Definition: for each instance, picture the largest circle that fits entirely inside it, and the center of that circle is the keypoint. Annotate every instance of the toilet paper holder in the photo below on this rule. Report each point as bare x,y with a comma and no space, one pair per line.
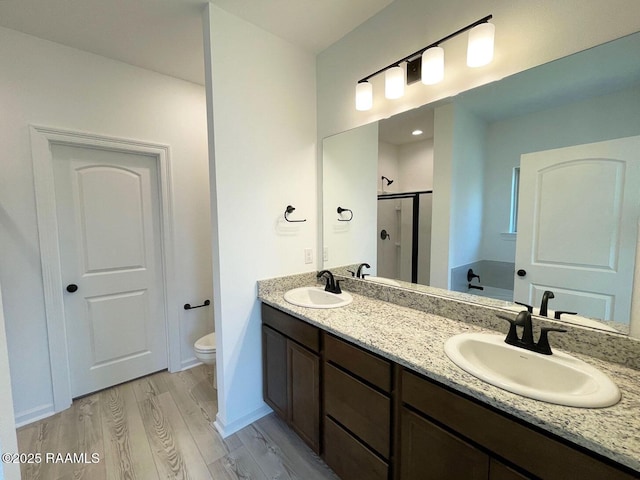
189,307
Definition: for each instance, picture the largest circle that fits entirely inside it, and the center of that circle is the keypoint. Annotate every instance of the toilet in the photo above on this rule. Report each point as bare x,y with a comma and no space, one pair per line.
205,349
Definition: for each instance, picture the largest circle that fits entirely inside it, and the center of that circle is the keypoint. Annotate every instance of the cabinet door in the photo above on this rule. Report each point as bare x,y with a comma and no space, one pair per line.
429,452
274,374
304,411
499,471
349,458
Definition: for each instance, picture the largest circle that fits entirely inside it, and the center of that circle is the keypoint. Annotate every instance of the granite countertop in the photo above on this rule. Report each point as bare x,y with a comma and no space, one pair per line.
415,339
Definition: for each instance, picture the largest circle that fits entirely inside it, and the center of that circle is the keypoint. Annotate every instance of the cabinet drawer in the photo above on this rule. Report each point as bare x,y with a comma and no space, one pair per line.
428,451
534,452
374,370
499,471
303,333
349,458
358,407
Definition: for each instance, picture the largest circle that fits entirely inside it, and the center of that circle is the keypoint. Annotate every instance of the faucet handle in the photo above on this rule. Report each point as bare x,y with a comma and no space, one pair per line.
337,288
543,343
557,314
512,336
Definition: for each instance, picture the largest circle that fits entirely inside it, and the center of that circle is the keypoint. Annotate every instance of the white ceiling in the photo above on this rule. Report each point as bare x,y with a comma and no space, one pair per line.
166,35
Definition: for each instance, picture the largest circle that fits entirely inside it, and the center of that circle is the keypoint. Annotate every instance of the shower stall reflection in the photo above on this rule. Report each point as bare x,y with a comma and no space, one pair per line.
404,250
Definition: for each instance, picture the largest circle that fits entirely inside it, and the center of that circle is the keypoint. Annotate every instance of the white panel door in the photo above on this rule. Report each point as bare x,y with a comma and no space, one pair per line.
107,204
578,225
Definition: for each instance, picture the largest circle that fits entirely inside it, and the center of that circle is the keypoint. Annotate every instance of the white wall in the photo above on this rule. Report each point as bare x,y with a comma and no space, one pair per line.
415,162
262,112
47,84
527,34
8,440
388,166
350,162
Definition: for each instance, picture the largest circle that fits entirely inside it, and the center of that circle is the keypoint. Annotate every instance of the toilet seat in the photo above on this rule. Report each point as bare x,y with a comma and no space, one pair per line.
206,344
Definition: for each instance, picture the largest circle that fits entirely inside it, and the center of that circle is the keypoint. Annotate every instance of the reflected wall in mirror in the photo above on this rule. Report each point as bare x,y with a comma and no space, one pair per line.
478,140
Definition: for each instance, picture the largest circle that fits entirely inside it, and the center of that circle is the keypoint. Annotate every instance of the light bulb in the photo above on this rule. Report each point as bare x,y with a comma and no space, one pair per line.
480,48
394,83
364,96
433,65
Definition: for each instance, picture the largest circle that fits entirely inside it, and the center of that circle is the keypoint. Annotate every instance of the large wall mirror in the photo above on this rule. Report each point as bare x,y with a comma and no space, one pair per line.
521,186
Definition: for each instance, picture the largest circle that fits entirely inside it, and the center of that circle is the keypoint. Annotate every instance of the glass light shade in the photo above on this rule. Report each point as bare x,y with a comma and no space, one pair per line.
433,65
364,96
394,83
480,48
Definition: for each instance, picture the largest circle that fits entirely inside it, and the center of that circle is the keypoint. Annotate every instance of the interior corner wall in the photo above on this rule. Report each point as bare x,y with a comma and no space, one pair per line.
459,150
47,84
467,189
440,274
261,99
527,34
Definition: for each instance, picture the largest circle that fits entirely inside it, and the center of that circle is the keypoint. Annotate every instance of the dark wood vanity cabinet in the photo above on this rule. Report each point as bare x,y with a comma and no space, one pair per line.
291,372
357,407
437,422
372,419
428,451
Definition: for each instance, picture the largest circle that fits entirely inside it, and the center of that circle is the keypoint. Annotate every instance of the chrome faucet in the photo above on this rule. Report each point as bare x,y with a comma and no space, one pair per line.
333,285
548,294
359,273
526,341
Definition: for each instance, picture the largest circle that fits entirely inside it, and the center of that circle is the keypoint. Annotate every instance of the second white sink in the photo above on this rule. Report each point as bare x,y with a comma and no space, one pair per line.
558,378
317,297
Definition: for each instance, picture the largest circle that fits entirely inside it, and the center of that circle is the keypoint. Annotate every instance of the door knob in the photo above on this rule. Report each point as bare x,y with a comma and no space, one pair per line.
72,287
521,273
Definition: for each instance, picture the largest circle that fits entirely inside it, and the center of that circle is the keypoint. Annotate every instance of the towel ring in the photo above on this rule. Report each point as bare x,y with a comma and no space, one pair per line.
289,210
340,210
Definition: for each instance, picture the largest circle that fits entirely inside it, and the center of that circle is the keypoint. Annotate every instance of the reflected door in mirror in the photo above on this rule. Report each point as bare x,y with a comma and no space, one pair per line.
577,227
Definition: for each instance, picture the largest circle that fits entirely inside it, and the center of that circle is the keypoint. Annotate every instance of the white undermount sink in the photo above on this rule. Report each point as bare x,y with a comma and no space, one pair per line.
316,297
558,378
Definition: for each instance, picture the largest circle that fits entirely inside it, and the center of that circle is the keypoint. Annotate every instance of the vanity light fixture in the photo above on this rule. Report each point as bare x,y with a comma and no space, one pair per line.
427,64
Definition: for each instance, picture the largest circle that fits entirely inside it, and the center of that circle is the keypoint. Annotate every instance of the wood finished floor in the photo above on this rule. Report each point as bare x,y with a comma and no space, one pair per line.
160,427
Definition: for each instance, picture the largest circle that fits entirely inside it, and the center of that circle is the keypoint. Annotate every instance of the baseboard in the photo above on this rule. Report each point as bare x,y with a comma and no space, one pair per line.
229,429
190,363
35,414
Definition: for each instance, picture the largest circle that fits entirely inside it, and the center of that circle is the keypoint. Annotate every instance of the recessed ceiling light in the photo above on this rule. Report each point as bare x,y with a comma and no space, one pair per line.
417,132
